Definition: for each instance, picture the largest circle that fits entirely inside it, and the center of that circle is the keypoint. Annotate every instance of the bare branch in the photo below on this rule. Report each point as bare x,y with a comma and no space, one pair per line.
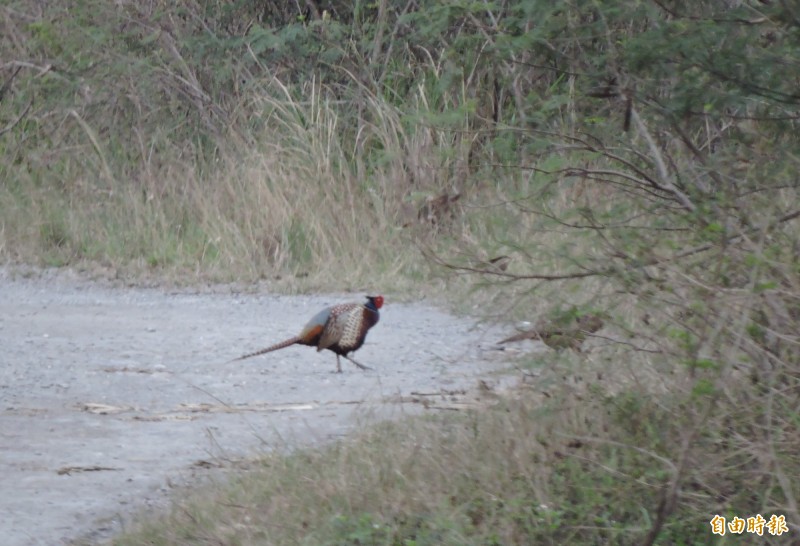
605,272
511,276
665,183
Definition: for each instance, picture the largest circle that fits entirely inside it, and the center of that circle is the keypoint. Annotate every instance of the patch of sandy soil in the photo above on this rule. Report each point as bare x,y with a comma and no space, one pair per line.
111,396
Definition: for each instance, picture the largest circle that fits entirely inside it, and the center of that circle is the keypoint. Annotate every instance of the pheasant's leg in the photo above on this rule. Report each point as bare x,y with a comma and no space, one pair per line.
338,365
357,364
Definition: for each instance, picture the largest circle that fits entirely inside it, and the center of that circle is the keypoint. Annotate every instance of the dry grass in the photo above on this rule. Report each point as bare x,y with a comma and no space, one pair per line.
292,206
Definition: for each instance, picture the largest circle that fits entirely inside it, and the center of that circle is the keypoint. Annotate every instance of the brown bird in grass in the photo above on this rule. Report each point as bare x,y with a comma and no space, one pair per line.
555,337
341,329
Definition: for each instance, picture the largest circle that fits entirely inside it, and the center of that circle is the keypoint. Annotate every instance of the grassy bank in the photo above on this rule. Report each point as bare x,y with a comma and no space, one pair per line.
550,463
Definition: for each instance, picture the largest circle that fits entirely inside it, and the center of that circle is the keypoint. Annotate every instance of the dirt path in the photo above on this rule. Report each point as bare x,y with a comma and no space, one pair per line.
109,396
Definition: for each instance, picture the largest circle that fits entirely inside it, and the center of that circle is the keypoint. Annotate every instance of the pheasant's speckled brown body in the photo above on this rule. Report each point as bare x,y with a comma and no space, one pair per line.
341,329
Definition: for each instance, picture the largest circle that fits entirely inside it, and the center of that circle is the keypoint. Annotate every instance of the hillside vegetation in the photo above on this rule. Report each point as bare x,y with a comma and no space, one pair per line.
632,160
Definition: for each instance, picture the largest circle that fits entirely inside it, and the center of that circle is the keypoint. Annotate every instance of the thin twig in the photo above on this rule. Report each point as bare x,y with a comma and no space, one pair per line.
605,272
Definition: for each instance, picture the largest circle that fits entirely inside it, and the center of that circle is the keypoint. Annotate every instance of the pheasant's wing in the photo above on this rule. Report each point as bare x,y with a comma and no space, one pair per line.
313,328
336,325
310,334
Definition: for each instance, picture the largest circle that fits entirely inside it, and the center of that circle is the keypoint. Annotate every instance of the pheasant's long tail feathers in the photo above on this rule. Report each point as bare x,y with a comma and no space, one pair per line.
281,345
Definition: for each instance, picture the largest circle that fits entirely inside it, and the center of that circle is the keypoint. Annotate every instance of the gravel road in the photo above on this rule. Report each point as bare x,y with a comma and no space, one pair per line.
112,395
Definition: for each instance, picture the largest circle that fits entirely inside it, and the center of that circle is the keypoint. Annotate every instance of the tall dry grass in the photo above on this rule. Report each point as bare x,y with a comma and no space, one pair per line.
295,199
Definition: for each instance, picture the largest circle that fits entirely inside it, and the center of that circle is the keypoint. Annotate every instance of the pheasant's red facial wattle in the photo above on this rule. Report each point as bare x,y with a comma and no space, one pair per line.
378,301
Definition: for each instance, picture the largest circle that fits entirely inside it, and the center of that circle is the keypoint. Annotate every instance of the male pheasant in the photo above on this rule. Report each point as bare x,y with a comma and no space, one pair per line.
341,329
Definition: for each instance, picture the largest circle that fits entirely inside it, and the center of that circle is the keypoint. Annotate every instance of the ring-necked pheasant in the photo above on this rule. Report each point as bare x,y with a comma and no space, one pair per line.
561,334
341,329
